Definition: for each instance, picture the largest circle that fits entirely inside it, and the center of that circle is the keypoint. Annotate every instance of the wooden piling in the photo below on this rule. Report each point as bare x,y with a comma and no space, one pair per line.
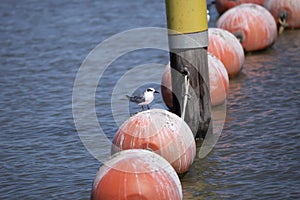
188,41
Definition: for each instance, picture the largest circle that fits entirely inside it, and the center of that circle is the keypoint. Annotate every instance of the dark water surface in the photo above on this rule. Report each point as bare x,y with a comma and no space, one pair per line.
43,44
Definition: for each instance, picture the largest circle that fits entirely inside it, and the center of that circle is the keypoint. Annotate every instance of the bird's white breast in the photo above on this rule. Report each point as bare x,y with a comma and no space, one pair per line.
149,96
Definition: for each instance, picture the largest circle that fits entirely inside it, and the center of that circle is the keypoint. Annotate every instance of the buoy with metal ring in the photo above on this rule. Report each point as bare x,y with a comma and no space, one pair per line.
285,12
252,24
160,131
136,174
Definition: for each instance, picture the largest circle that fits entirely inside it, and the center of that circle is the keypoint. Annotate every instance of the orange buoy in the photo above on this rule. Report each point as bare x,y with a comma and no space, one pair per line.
224,5
218,80
161,132
285,12
226,47
252,24
136,174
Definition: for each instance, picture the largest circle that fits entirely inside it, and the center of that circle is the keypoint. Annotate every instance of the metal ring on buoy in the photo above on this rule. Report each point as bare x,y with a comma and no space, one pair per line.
286,13
254,22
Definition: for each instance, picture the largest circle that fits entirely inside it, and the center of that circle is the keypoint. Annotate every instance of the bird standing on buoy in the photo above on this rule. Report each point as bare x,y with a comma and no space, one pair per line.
143,99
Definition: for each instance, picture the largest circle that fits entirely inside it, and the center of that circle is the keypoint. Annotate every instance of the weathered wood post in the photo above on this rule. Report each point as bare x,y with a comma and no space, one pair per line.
188,41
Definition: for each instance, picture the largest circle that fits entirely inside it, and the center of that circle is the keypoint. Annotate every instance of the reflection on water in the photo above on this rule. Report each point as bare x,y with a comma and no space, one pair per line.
44,43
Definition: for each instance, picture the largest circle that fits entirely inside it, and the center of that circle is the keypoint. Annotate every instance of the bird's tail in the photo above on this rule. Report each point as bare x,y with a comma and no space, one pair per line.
128,97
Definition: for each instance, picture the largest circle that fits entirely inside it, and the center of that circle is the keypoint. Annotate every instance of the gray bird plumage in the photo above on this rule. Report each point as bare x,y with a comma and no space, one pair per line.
143,99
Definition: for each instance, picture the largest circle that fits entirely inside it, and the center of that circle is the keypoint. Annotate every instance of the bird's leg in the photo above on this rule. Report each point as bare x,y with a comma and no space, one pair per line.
148,107
142,107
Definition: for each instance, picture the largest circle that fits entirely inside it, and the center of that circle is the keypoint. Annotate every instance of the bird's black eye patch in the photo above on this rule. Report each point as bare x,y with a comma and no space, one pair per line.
149,90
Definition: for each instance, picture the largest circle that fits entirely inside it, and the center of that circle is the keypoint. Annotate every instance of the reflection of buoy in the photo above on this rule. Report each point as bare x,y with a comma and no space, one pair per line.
226,47
223,5
285,12
252,24
136,174
160,131
218,80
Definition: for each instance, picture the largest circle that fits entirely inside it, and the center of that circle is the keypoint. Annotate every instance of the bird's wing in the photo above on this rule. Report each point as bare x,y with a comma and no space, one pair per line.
136,99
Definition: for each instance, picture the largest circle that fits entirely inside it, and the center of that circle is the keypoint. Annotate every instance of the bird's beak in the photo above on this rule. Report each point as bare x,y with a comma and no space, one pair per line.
156,92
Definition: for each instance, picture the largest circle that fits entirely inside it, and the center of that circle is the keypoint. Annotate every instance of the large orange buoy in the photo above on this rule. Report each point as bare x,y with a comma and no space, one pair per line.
136,174
285,12
161,132
226,47
218,81
223,5
252,24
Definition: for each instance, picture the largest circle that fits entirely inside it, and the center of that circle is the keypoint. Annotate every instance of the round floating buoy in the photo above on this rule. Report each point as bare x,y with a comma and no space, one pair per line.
285,12
226,47
136,174
252,24
218,80
161,132
223,5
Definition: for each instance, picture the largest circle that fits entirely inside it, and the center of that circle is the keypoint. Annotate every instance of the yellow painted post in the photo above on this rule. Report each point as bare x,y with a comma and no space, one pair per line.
186,16
188,41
